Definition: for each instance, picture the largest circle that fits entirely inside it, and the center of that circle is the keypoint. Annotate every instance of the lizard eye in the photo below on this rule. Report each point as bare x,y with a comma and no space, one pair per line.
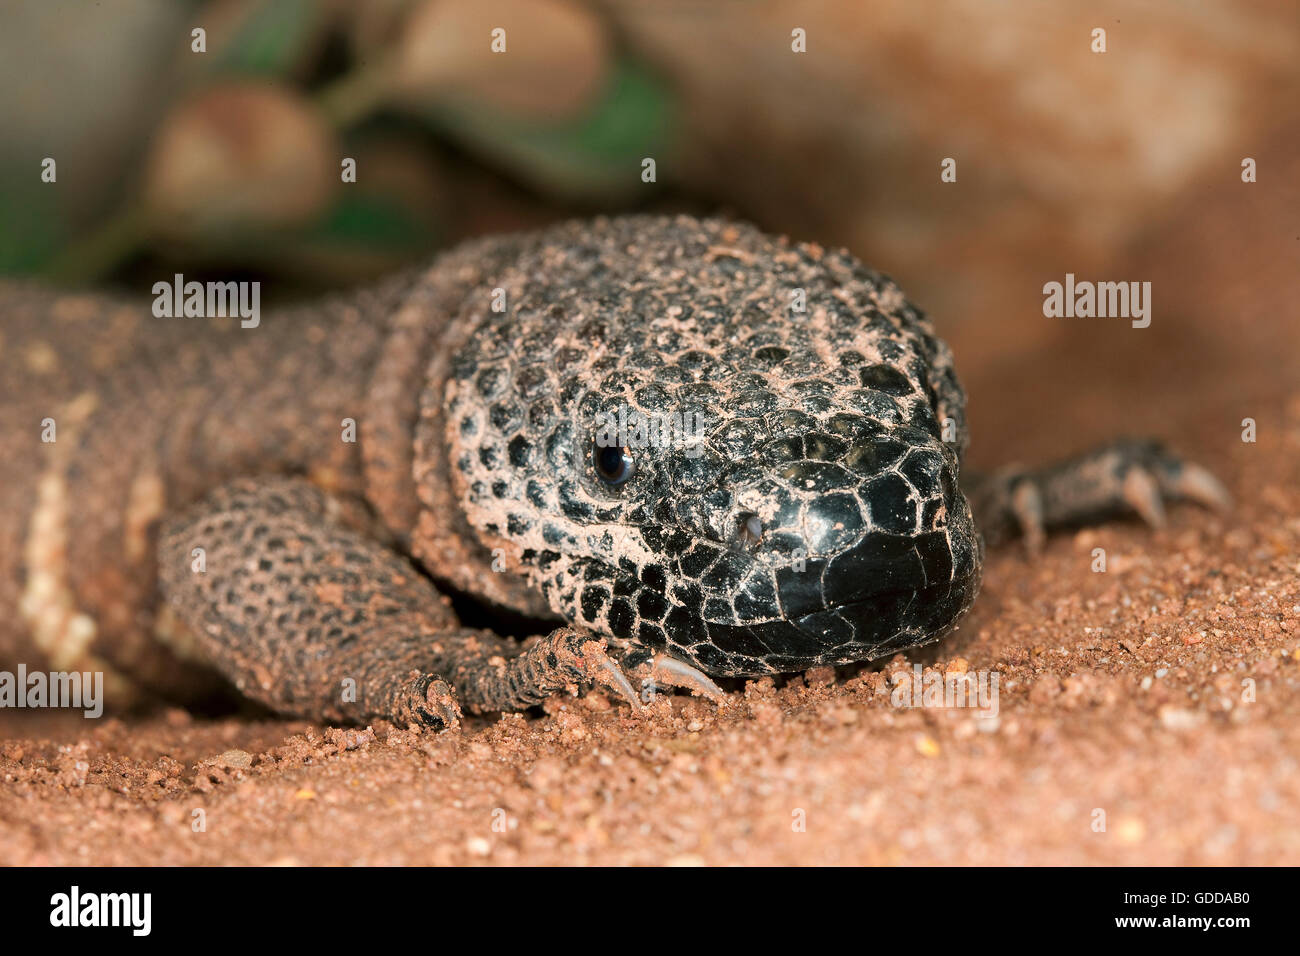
613,464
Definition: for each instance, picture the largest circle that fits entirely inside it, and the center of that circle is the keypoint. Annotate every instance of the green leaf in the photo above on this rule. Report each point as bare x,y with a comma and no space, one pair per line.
270,40
370,219
34,227
598,156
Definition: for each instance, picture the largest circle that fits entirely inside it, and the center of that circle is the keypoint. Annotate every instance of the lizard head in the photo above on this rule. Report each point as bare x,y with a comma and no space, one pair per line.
717,444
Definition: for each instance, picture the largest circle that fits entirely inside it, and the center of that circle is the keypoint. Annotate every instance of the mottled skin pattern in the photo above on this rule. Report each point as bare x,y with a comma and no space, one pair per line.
824,424
201,509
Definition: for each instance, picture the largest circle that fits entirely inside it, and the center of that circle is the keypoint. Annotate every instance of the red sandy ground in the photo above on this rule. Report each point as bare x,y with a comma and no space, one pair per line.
1124,693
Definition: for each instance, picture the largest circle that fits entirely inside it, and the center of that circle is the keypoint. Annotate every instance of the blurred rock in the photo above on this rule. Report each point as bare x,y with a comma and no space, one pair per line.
1062,153
555,61
392,215
239,159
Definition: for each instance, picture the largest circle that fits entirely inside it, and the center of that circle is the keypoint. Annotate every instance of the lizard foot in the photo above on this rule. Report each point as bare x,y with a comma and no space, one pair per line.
426,701
1129,476
488,680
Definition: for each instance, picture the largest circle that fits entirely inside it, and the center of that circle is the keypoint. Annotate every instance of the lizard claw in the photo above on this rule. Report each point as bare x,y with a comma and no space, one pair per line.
1142,494
600,668
675,673
1197,484
1027,507
1167,476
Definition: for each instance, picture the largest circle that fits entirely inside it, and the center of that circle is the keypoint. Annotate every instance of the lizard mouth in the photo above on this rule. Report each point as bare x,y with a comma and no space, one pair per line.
870,626
882,594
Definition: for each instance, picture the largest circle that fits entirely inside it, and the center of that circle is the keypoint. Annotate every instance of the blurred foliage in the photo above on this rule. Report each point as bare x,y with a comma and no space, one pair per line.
267,38
234,156
30,236
596,155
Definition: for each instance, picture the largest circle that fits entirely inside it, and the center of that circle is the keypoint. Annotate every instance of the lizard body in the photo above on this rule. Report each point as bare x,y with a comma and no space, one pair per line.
200,507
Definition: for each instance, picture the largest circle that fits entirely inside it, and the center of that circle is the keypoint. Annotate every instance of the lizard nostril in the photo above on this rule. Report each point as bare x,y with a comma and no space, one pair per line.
748,530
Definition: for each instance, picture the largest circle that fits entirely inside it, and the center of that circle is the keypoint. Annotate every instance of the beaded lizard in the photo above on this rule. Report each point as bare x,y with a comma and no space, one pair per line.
199,507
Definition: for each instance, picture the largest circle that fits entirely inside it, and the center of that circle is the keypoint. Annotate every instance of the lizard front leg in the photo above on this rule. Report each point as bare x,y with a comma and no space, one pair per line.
1125,477
304,611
